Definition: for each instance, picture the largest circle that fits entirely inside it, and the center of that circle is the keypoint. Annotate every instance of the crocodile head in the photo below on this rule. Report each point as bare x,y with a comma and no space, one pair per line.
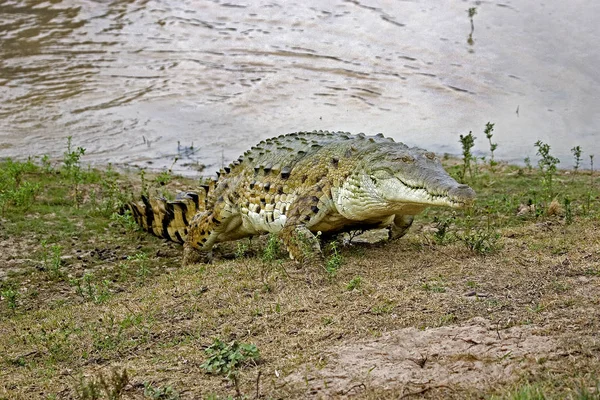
401,180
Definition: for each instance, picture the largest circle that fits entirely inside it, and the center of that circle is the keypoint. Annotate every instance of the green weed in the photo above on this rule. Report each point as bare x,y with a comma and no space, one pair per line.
467,143
355,283
10,295
481,241
334,262
226,359
489,128
442,228
126,220
577,154
272,250
110,388
471,12
160,393
547,164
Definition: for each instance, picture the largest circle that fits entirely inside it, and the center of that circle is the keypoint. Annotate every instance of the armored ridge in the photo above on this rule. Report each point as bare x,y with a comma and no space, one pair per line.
302,183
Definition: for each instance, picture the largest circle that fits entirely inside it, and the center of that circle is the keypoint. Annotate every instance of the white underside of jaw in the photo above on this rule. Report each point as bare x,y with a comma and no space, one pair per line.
355,202
407,194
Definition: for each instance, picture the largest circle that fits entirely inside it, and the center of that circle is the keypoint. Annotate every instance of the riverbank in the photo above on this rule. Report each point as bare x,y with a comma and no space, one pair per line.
498,301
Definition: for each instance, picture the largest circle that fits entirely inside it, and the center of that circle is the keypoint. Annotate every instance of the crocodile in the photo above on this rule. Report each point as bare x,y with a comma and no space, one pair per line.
303,185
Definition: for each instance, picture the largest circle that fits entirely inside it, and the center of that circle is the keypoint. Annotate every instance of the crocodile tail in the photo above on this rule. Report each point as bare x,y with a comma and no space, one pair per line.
167,219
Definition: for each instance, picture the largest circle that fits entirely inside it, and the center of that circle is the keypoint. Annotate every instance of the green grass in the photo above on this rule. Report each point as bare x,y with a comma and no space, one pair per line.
91,307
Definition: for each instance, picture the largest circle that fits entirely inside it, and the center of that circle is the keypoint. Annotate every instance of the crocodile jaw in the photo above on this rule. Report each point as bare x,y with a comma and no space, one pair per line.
364,198
446,193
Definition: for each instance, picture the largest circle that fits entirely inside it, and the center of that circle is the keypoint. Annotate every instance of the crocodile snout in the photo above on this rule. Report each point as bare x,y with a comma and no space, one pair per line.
462,193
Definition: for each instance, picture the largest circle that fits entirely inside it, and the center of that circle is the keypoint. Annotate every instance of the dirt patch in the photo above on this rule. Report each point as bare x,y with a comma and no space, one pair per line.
474,355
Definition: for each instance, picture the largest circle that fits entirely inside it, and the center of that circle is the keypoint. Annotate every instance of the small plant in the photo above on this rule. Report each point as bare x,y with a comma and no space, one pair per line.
241,249
547,164
14,190
160,393
467,143
577,154
10,295
226,359
142,259
126,221
355,283
52,259
112,387
442,227
334,262
272,249
72,169
489,128
481,241
163,178
90,291
591,170
435,286
472,12
527,162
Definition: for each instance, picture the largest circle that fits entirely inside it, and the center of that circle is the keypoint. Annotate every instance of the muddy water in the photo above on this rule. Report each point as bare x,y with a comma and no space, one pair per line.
143,82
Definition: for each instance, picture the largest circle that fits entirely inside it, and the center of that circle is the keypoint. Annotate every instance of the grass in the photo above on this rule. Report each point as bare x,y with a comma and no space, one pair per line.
92,308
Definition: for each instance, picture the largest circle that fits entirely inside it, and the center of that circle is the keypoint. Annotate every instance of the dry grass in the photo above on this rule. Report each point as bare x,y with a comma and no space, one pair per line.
539,284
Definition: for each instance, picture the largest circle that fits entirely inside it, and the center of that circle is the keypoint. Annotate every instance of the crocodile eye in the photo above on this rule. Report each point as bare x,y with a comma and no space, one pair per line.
408,159
430,155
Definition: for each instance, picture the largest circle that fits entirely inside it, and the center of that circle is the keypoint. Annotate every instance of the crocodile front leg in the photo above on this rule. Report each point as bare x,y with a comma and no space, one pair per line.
399,226
302,244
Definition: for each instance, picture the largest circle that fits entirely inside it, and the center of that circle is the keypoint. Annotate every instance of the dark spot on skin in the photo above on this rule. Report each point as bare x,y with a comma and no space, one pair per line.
224,185
262,200
315,199
258,209
216,221
247,204
267,186
268,169
202,232
256,169
283,209
185,231
252,185
314,209
227,170
304,178
280,190
205,187
285,172
335,161
218,174
301,152
220,199
307,218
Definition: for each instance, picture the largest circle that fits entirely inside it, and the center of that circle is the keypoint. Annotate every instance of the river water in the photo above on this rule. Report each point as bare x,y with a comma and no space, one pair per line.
142,82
